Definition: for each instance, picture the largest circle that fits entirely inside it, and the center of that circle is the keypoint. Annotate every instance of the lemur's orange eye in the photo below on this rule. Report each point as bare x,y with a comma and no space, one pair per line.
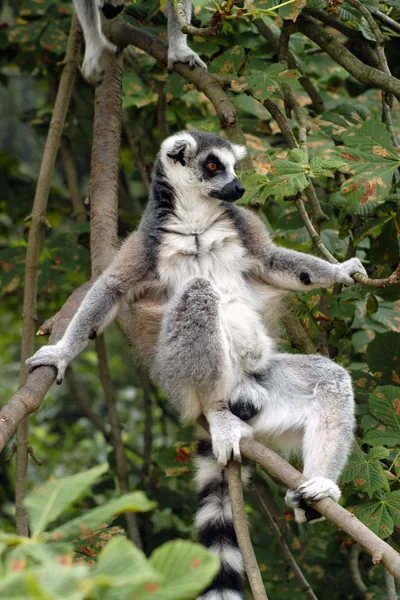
212,166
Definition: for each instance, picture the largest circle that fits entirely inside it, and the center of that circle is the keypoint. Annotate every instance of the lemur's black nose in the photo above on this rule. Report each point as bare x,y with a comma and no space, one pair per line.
239,189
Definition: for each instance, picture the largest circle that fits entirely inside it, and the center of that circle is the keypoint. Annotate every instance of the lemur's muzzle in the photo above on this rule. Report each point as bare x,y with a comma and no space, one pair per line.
230,192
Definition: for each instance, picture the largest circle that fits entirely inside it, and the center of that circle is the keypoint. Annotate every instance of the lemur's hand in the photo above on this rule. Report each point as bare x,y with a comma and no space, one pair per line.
182,53
226,431
346,271
56,356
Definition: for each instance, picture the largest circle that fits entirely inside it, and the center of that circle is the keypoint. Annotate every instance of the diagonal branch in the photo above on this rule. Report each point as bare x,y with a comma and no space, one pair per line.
287,555
363,73
277,466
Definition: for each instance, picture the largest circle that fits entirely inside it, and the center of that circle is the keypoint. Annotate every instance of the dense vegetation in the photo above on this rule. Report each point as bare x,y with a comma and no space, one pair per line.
283,75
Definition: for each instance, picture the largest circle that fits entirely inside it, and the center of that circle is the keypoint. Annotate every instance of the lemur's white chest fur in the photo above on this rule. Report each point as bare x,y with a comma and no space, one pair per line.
201,241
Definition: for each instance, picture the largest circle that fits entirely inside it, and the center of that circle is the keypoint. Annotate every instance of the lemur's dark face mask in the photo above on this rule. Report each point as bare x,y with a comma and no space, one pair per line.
231,192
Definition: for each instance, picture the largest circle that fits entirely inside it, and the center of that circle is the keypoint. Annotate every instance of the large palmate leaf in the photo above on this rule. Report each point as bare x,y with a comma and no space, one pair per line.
382,516
49,500
197,568
384,357
365,471
371,160
384,405
135,502
264,83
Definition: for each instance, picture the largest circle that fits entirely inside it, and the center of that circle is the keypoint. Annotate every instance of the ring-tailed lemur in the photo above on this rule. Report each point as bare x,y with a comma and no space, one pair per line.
206,281
97,43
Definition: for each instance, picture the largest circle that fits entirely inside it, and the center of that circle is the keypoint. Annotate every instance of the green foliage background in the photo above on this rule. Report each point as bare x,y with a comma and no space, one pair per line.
354,167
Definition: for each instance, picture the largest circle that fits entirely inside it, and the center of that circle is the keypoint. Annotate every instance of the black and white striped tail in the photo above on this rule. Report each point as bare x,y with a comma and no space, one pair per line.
214,522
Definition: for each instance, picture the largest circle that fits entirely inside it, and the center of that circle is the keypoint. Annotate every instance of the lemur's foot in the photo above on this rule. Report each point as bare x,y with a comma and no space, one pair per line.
185,55
92,68
50,356
226,431
312,490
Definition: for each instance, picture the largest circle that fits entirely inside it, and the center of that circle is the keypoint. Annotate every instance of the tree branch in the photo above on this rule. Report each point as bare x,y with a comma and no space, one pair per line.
242,531
305,82
287,555
378,549
116,437
33,252
355,551
29,397
363,73
186,27
390,586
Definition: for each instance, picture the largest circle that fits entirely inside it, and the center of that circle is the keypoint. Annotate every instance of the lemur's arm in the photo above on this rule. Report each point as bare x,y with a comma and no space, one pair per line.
96,42
293,270
99,307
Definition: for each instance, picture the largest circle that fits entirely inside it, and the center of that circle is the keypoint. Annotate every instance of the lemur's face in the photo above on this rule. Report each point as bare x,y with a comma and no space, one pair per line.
204,162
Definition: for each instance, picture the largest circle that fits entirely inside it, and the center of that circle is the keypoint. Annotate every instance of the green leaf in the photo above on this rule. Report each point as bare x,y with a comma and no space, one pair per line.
384,405
290,177
197,568
382,516
54,39
371,136
49,500
384,356
135,502
364,471
123,567
264,83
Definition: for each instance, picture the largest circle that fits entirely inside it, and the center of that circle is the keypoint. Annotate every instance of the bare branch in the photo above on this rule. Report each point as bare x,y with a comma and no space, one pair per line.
242,531
386,20
363,73
355,551
378,549
29,397
390,586
306,83
287,555
38,218
116,436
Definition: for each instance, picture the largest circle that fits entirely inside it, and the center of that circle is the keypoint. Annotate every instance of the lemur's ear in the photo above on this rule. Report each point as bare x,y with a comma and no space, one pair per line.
179,147
239,151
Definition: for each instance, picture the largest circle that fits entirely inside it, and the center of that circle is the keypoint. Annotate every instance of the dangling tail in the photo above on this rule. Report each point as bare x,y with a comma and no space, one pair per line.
214,522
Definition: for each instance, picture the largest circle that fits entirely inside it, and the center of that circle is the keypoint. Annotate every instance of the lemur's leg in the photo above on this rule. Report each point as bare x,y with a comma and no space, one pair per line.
308,409
214,523
195,365
178,50
95,41
327,439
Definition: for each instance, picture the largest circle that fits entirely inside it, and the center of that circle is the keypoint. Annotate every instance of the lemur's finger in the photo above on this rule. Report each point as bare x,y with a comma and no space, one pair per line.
61,367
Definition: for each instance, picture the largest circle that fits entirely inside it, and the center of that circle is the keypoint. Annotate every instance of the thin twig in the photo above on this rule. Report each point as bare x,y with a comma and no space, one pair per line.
135,151
116,436
390,586
242,531
285,551
386,20
354,565
33,252
186,27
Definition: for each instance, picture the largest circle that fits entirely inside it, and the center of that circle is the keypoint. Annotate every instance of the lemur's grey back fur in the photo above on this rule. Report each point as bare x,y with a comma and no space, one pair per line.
218,278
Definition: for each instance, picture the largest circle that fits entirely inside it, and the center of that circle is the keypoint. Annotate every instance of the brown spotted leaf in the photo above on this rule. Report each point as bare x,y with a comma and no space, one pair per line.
382,516
364,470
384,404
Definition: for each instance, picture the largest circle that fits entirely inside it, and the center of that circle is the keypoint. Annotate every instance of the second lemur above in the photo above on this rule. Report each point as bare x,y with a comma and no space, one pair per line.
97,44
